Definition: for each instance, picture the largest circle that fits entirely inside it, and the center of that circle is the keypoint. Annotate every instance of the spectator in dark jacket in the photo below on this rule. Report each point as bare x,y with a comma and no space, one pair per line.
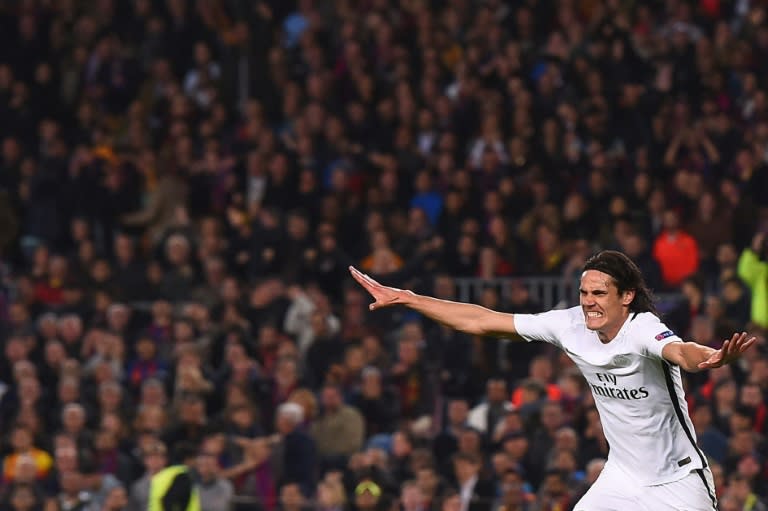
295,454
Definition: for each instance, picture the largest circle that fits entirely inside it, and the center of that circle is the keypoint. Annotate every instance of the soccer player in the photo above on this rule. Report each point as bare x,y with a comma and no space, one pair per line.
632,363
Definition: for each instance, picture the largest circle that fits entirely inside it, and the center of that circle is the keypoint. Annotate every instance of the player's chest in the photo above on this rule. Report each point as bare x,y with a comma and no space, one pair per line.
588,351
593,357
613,372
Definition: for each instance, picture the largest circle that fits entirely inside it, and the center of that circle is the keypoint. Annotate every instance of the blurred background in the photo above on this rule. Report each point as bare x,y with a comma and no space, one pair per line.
183,184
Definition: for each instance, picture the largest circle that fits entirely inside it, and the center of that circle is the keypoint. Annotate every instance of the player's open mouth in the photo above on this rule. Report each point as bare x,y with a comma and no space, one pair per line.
594,314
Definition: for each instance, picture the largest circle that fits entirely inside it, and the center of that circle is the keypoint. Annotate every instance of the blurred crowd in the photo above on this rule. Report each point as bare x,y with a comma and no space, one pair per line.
183,184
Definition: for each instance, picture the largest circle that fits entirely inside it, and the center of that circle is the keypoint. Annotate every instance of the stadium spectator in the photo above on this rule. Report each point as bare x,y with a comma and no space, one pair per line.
339,430
712,440
753,270
486,416
476,493
676,251
154,457
24,449
173,487
215,492
296,452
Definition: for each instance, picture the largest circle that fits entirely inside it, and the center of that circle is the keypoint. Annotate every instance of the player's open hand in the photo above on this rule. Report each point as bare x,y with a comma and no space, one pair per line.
383,295
731,350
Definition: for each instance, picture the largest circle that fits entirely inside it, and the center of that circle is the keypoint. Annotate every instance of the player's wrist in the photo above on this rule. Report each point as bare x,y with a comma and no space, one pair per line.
409,298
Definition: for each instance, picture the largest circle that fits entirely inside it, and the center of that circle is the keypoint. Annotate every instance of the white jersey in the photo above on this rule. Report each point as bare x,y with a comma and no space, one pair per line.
638,394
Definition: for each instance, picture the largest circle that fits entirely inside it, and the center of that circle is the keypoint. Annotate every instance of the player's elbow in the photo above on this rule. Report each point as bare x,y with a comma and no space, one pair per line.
473,327
491,323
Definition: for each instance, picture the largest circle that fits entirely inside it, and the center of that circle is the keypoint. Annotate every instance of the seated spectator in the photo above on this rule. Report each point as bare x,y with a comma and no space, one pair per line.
26,475
331,495
251,473
23,449
298,450
736,299
742,493
377,403
116,500
368,496
751,398
339,430
513,496
485,416
22,497
147,363
109,459
636,247
712,441
431,485
215,491
189,423
73,494
593,470
411,497
476,494
540,370
409,376
446,442
292,498
676,251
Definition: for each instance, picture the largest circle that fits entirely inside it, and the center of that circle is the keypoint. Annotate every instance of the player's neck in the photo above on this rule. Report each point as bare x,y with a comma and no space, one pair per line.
604,337
610,334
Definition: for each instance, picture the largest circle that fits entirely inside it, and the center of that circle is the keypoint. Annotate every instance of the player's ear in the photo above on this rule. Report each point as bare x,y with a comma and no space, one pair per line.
627,297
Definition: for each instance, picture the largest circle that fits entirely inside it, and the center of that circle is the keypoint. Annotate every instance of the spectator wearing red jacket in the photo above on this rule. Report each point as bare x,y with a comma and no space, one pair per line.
675,250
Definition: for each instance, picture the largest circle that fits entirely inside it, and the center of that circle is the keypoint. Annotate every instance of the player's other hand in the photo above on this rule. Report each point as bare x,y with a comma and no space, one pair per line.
383,295
731,350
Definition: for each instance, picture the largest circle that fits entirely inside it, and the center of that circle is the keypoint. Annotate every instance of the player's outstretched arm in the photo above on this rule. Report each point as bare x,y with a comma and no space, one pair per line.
694,357
469,318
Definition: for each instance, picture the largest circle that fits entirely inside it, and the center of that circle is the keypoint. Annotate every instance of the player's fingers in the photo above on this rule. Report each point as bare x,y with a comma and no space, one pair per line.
712,361
747,344
356,274
737,346
361,278
367,278
372,282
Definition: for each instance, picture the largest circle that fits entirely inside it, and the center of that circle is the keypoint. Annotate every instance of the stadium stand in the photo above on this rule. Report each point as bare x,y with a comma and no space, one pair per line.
183,184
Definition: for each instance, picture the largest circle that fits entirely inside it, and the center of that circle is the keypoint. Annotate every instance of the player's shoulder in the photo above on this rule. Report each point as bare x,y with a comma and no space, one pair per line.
559,318
574,316
645,318
649,325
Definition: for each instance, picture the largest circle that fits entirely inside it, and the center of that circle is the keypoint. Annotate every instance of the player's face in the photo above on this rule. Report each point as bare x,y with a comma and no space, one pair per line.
605,310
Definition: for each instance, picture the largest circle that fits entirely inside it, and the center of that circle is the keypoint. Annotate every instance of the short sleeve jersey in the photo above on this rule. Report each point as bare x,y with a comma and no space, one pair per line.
638,394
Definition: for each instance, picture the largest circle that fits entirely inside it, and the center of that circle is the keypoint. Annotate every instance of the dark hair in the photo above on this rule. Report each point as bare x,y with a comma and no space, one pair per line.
627,277
560,473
